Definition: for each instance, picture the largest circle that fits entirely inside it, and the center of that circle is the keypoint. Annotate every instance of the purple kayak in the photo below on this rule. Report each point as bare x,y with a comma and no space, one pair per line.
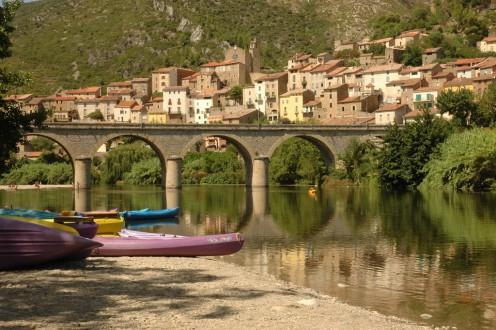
24,244
157,245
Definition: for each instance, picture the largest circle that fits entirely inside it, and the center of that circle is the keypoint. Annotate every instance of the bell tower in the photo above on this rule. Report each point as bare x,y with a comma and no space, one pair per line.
255,55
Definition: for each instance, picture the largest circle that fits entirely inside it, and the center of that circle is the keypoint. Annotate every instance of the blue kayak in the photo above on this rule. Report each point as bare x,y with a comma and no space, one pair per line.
138,225
32,214
147,214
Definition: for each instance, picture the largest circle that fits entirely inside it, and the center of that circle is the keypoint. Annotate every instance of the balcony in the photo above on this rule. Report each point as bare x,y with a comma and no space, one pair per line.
271,98
308,115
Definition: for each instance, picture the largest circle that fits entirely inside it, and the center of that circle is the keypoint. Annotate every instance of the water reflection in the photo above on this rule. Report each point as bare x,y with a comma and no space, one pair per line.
402,254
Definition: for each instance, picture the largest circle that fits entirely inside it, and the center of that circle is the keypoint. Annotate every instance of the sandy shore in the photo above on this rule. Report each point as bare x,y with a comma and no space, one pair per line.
32,187
170,293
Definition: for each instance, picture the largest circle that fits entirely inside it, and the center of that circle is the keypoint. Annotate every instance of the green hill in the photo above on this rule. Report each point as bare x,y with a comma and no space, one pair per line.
72,43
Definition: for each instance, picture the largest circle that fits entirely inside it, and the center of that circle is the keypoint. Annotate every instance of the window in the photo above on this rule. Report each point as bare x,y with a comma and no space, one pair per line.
353,108
178,101
342,109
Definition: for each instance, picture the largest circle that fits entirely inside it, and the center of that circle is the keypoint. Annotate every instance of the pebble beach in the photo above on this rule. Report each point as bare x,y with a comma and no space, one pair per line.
170,293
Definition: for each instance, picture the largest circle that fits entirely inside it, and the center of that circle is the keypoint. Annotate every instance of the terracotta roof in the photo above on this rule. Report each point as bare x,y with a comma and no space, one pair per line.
467,61
412,69
293,92
458,82
489,63
140,80
298,67
485,77
60,98
432,50
126,104
137,107
310,67
391,107
272,76
350,99
490,39
109,98
32,154
337,72
328,66
416,113
464,68
216,64
370,85
165,70
384,68
426,89
121,92
238,115
409,34
442,74
337,86
18,97
175,88
120,84
312,103
158,99
83,101
86,90
405,82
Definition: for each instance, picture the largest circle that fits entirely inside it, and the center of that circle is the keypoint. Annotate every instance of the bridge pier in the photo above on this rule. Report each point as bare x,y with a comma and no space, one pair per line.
173,172
82,172
260,175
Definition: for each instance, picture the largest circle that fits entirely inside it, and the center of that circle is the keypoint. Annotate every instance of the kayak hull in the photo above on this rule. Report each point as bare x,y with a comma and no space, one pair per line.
109,226
169,246
151,214
26,244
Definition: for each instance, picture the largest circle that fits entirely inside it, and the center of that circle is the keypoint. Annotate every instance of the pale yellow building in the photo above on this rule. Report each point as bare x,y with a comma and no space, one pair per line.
291,104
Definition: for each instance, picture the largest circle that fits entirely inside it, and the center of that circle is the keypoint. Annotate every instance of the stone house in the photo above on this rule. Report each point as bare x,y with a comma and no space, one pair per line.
231,73
202,103
377,77
250,58
118,86
268,90
235,115
458,84
310,109
401,91
138,114
431,55
486,67
291,104
249,97
390,114
425,71
488,44
440,79
168,77
126,94
301,60
407,37
107,105
344,75
340,46
203,82
364,45
142,87
84,93
176,100
33,105
62,108
317,76
157,115
122,111
85,107
481,83
425,98
336,102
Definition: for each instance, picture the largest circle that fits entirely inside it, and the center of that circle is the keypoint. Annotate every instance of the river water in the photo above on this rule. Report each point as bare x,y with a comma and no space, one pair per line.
428,257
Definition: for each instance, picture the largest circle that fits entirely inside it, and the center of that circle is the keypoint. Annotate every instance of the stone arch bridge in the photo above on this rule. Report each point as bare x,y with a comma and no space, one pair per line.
172,142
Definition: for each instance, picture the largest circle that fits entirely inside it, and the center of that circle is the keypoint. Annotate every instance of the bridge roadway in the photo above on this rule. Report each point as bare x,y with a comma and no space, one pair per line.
255,143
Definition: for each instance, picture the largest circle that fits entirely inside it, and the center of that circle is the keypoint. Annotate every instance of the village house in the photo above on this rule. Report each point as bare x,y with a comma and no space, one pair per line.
425,98
249,97
458,84
317,77
440,79
83,93
235,117
390,114
203,82
142,87
488,44
401,91
33,105
425,71
20,99
126,94
340,46
231,73
291,104
106,106
119,86
481,84
268,90
487,67
62,108
408,37
138,114
177,101
249,58
85,107
431,55
310,109
202,103
122,111
168,77
377,77
337,103
301,60
364,45
157,115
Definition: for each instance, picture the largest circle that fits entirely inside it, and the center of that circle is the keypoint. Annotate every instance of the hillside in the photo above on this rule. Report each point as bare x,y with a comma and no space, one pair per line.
71,43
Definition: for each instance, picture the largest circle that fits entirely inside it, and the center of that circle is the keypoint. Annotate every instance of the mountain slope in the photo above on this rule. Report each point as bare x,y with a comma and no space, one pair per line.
71,43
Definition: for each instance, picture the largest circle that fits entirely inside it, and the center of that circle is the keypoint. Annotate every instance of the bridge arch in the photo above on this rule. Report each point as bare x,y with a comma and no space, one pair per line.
327,151
57,141
242,146
160,153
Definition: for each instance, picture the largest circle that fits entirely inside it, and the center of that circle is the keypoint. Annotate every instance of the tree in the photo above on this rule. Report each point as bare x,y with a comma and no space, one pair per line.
486,115
407,150
96,115
460,104
412,55
236,94
13,121
359,160
377,49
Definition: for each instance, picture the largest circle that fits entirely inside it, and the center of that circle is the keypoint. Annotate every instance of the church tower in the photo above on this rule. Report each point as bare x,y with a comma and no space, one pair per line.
255,56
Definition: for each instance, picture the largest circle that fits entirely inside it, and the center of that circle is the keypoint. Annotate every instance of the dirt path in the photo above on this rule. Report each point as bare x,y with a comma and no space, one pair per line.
169,293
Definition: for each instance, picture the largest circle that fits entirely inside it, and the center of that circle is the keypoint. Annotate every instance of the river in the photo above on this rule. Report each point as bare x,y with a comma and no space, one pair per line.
428,257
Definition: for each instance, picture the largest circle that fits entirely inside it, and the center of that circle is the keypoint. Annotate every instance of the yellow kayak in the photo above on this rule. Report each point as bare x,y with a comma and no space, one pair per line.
48,224
109,226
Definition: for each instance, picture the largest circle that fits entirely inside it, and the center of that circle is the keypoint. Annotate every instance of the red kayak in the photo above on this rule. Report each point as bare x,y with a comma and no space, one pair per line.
24,244
133,243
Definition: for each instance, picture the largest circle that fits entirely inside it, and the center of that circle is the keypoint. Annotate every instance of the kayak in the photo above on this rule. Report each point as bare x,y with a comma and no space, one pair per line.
25,244
133,244
147,214
109,226
24,213
112,214
152,223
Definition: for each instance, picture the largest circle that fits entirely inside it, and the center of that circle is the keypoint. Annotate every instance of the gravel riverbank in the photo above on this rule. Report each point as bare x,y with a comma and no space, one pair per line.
170,293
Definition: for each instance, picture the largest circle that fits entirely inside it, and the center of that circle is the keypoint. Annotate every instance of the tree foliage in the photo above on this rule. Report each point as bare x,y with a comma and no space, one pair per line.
407,150
13,121
460,104
486,114
412,55
297,161
96,115
359,160
145,172
236,94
